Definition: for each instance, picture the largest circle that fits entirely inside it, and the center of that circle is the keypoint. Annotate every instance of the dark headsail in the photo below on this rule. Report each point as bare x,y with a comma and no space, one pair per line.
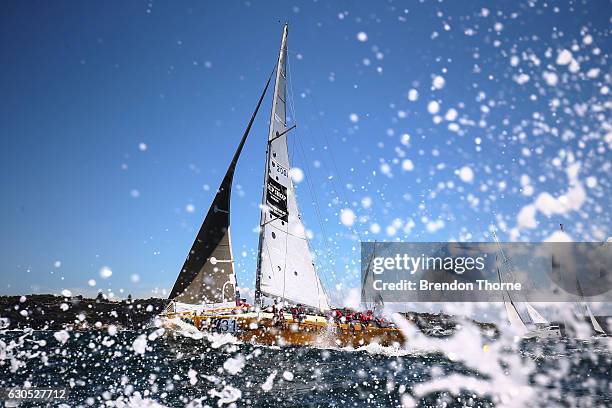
208,273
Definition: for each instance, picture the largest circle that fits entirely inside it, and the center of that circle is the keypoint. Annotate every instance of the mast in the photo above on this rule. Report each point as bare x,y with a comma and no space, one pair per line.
207,276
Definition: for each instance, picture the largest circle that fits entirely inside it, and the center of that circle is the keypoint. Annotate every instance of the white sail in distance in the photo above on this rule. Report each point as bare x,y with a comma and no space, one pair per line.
587,310
596,326
285,267
535,316
514,318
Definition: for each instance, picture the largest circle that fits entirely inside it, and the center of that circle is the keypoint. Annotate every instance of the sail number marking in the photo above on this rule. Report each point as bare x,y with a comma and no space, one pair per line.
281,170
225,325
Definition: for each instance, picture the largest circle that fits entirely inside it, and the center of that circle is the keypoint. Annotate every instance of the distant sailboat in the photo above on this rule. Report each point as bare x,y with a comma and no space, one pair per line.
582,306
205,291
587,312
376,302
535,316
541,327
514,318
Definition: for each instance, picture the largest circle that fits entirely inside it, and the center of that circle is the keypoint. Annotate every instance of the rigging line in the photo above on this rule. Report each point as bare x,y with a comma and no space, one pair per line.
314,198
297,141
337,190
335,187
309,183
318,282
318,214
313,191
286,252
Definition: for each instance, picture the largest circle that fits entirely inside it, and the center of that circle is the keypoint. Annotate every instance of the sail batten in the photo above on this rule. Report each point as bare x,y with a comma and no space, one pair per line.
285,267
207,276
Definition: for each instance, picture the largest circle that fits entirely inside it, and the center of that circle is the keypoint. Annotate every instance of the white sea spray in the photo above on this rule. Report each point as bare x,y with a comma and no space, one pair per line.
234,365
62,336
140,344
227,395
267,385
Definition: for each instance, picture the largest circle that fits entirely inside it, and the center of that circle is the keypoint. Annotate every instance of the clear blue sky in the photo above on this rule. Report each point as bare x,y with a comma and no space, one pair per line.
506,100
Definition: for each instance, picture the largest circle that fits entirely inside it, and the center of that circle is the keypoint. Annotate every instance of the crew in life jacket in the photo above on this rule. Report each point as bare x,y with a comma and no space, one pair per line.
281,315
349,315
274,308
381,322
366,317
298,313
339,316
293,311
278,314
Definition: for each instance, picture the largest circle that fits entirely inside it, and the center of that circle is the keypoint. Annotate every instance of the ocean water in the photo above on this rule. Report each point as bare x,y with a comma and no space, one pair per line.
154,368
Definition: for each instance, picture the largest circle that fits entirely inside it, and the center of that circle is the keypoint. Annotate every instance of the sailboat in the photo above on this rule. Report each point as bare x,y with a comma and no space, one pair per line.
582,306
298,309
541,328
586,311
376,303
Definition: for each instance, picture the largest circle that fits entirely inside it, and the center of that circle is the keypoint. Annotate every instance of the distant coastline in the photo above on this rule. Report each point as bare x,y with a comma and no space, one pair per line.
52,312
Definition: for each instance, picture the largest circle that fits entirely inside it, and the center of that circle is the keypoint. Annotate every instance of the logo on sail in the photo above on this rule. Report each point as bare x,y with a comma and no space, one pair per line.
276,198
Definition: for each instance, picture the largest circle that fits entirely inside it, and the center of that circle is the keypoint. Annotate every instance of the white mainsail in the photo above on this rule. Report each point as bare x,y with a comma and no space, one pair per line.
514,318
285,267
596,326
